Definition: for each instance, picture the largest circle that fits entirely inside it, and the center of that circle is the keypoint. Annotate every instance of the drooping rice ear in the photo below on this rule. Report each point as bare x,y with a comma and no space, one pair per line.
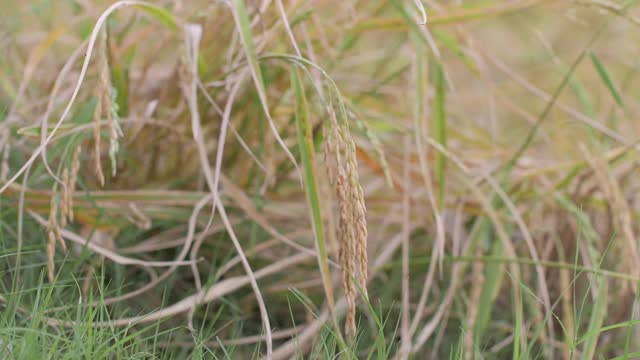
63,198
73,179
54,233
342,170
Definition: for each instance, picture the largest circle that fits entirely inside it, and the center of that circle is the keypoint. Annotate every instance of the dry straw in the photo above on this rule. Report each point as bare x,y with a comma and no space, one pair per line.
4,165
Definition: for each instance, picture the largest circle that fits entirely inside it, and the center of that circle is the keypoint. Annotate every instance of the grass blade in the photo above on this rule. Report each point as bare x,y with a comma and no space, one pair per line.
604,75
494,276
440,128
596,320
161,14
306,145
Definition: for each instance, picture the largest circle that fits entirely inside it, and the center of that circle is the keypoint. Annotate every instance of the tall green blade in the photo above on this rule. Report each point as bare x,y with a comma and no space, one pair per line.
306,145
604,75
440,127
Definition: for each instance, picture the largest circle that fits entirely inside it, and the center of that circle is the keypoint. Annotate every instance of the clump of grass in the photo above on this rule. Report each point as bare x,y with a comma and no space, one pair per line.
475,197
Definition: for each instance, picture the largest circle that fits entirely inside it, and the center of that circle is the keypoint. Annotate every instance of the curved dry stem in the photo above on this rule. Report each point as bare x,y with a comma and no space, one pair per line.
254,284
116,258
287,26
423,12
218,290
193,34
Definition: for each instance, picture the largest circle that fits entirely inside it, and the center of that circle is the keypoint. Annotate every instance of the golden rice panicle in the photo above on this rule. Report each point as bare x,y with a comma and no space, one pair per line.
54,233
69,179
96,141
63,198
359,218
73,179
342,171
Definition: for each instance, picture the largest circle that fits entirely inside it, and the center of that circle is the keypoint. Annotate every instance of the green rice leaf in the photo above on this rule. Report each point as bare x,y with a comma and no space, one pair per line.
307,155
604,75
161,14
